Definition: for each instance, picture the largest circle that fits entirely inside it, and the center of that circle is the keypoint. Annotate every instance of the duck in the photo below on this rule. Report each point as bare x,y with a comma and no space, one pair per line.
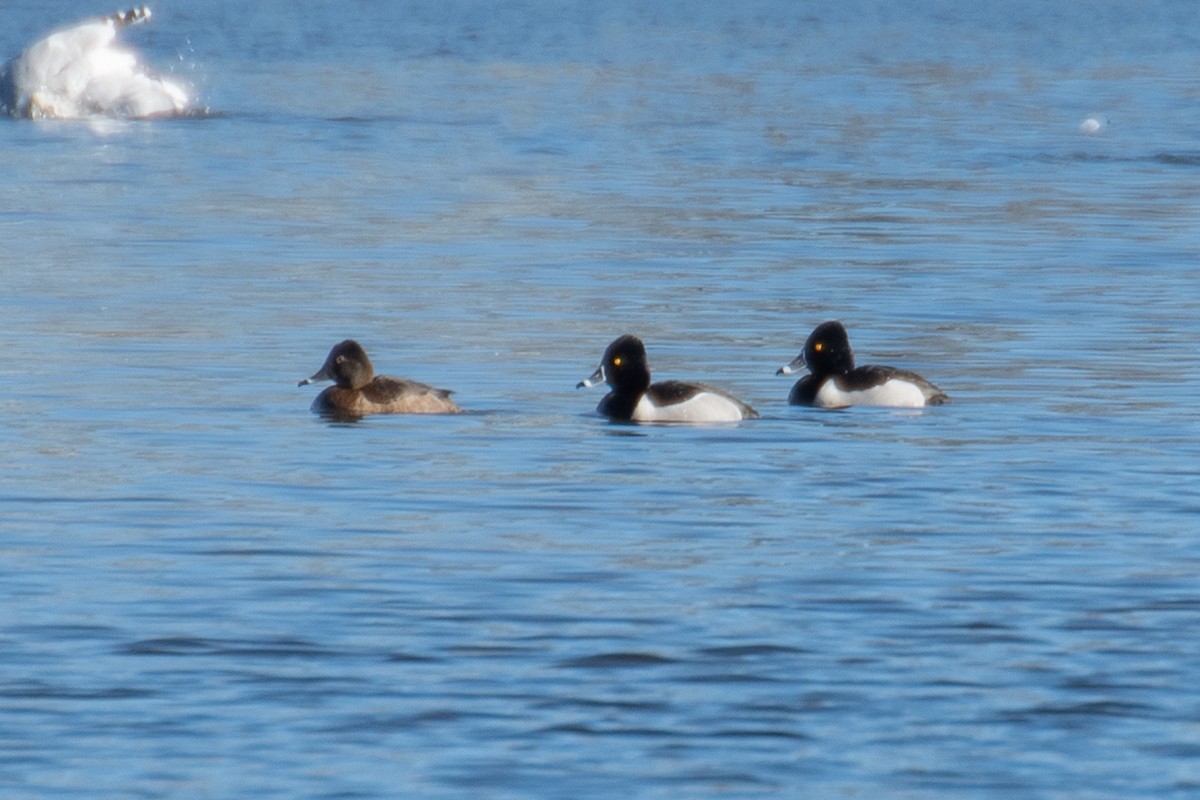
81,72
358,391
834,382
633,398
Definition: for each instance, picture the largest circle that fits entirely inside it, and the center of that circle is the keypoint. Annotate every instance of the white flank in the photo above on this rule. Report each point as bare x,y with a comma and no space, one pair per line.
704,407
895,392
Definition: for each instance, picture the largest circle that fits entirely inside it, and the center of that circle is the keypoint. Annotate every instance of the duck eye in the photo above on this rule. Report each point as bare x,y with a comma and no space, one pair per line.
819,346
617,361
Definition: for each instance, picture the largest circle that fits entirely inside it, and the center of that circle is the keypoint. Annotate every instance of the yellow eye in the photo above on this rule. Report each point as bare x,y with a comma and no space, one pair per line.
617,361
818,347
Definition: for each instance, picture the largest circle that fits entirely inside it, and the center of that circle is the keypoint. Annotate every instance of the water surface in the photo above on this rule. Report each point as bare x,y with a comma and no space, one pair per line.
209,592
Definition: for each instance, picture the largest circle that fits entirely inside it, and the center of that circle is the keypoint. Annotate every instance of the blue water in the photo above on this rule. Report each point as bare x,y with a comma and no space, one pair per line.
206,591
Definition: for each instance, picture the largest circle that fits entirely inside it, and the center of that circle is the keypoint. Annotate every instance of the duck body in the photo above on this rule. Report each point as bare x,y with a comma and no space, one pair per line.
384,395
676,401
866,386
835,382
633,398
358,391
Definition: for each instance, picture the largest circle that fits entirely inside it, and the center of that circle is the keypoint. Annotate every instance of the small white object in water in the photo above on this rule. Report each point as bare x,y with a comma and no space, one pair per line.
80,72
1091,125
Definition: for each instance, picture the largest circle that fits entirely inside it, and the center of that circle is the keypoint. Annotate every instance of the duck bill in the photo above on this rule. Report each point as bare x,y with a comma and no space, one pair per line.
320,375
792,367
595,379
